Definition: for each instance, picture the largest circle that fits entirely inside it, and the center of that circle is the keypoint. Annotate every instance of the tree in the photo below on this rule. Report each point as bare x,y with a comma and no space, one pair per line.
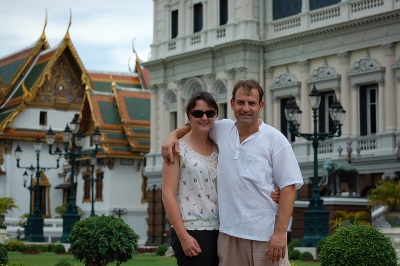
6,205
100,240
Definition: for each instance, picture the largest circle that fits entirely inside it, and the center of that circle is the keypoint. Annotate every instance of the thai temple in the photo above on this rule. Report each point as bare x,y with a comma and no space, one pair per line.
45,88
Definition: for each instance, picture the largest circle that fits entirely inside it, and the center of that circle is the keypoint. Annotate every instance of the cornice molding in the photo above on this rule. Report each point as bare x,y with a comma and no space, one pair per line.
379,18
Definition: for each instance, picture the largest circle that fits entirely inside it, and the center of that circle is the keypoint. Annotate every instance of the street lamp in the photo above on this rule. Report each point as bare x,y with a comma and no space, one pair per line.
316,219
349,150
25,177
91,179
36,220
73,141
120,211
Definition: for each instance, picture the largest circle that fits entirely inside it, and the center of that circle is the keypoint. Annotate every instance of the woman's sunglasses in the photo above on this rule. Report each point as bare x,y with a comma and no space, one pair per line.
199,113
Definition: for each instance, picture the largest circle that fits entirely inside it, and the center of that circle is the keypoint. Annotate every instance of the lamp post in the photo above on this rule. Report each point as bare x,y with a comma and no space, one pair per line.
120,211
316,224
349,150
36,220
27,226
91,179
73,141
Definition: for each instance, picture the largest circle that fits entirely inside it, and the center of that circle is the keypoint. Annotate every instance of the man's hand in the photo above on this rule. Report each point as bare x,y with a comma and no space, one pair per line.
275,195
170,145
277,247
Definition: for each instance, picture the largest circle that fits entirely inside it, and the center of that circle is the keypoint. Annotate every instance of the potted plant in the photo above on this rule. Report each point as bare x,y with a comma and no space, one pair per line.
6,205
387,194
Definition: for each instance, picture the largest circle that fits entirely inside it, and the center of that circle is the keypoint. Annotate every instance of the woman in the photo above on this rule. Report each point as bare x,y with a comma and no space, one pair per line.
189,188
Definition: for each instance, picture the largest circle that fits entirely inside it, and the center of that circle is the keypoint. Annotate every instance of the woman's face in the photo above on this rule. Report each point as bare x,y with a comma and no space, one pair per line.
202,116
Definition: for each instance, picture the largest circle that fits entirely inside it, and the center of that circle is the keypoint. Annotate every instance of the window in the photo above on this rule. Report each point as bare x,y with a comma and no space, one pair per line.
197,17
173,120
99,187
222,111
325,121
174,24
284,122
43,119
315,4
285,8
223,12
86,189
369,109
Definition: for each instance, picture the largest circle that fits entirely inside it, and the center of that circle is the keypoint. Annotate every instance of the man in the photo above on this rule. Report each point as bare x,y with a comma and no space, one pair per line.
253,159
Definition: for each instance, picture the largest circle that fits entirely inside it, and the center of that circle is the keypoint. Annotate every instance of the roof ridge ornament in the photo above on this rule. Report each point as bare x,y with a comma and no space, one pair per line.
67,37
43,37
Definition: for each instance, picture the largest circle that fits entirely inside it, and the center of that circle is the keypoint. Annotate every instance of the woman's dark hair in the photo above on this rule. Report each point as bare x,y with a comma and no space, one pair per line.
205,96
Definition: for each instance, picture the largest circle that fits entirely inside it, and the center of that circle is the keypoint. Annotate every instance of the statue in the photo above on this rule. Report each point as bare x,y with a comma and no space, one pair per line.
340,172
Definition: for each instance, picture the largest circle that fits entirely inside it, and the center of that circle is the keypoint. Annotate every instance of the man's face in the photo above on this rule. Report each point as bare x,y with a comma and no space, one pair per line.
246,106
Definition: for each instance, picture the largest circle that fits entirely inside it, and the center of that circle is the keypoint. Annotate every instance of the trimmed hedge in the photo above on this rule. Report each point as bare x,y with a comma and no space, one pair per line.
161,250
357,245
306,256
3,255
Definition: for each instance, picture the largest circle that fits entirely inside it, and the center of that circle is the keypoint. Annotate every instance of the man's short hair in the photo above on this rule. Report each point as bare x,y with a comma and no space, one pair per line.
247,85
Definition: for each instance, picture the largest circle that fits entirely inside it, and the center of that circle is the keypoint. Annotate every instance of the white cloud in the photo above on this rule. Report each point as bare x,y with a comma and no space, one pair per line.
101,31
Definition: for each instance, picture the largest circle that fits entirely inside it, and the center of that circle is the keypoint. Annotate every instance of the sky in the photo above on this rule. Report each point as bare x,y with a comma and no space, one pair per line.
102,31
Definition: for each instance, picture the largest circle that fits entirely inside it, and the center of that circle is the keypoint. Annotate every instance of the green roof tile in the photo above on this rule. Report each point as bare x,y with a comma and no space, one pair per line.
116,136
9,70
109,113
138,108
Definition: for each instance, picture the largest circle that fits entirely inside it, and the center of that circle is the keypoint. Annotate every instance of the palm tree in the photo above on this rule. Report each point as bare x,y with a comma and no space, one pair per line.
6,205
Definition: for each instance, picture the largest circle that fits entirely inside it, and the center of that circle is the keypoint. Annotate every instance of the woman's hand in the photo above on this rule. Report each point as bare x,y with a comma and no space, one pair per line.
190,246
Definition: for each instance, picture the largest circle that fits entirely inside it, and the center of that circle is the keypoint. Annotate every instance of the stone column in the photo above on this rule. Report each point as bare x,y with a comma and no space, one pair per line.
276,103
268,107
398,101
162,119
230,75
181,18
210,78
382,114
180,112
232,8
345,90
155,19
304,101
355,121
390,90
189,22
205,15
305,6
153,121
166,15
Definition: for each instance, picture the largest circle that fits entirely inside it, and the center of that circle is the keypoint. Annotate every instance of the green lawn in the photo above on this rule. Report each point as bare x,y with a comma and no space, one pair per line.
145,259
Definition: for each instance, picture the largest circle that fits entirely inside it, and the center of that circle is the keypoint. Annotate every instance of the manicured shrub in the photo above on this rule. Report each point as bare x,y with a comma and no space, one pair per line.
357,245
161,250
100,240
306,256
16,264
320,244
57,248
294,255
293,244
3,255
64,263
14,245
